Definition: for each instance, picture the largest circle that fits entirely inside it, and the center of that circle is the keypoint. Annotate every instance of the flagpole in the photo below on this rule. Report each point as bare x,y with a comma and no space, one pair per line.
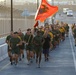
37,8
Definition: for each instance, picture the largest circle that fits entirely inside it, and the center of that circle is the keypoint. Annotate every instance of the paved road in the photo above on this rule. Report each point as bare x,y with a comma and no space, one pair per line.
66,18
62,62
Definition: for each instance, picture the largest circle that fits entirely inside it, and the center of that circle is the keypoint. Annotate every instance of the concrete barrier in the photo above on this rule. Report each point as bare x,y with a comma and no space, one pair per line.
2,40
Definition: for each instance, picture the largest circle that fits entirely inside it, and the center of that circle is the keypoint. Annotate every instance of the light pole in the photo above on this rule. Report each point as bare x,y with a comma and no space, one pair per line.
54,15
52,2
11,15
37,4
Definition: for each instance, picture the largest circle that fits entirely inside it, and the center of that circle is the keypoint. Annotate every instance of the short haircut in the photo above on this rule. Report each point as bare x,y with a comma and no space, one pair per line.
15,32
28,29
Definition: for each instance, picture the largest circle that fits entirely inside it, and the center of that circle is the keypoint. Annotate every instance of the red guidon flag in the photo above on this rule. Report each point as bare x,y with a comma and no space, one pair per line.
45,10
36,24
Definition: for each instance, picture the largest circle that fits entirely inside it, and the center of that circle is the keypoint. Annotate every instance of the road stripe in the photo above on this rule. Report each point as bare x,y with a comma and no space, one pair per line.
4,66
70,34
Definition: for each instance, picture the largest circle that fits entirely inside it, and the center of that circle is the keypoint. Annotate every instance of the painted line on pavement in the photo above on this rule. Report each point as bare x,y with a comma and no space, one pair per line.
70,34
4,66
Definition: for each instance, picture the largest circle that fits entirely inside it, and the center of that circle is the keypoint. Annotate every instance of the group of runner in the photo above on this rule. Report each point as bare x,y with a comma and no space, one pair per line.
36,42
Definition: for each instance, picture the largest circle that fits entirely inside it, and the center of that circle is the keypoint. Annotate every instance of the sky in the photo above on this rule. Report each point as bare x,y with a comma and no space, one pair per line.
1,0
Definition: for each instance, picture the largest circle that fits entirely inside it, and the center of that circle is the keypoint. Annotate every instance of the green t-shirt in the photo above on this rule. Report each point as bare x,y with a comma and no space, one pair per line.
28,38
22,36
67,28
8,38
74,33
14,42
38,42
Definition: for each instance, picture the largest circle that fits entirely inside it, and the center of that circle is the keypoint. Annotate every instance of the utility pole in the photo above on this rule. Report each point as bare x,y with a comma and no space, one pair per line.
37,4
54,15
52,2
11,15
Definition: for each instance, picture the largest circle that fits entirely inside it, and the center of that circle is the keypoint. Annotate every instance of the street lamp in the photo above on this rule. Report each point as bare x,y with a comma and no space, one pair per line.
54,15
11,15
52,2
37,4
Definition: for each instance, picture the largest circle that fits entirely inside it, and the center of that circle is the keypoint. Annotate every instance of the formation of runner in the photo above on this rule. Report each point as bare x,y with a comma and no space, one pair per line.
36,42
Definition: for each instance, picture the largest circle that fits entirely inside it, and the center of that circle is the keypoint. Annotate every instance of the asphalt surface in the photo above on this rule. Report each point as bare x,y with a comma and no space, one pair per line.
67,19
62,61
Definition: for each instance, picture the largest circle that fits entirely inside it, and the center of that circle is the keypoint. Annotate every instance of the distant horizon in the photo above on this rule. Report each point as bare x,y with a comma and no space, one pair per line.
21,2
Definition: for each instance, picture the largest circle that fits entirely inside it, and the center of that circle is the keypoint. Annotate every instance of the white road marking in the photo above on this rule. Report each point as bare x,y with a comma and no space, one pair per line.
4,67
72,49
